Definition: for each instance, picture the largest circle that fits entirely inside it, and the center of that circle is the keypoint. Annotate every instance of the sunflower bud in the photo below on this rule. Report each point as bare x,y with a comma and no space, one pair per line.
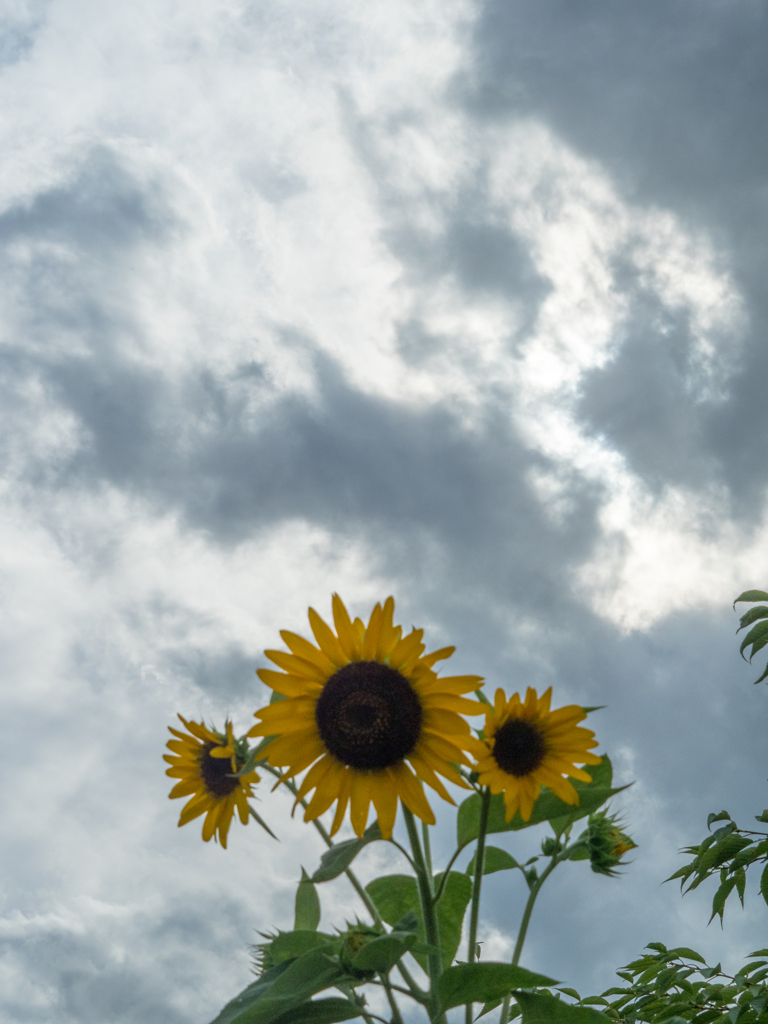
355,938
606,844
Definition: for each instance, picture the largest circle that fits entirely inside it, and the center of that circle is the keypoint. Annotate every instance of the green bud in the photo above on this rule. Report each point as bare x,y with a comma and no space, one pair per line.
550,846
606,843
352,941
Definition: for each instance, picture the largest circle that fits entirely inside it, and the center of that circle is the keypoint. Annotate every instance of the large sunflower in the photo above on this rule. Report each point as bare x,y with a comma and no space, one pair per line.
205,762
527,746
356,708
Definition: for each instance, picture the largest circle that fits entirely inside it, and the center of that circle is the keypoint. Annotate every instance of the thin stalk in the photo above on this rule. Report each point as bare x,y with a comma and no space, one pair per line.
402,850
431,931
417,992
526,919
396,1015
444,879
351,996
477,884
427,854
369,904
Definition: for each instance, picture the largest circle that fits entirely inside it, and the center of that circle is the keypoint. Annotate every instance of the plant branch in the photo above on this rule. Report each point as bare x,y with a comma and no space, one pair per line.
431,931
477,883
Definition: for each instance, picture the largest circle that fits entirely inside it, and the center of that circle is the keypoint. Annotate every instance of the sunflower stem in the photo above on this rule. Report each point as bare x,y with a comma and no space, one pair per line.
431,931
427,854
477,884
417,992
526,919
396,1015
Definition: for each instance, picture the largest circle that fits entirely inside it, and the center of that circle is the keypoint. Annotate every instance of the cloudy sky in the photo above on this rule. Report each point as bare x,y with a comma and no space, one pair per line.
459,300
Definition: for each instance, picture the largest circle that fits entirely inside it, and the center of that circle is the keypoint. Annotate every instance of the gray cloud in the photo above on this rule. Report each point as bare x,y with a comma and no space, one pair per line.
665,98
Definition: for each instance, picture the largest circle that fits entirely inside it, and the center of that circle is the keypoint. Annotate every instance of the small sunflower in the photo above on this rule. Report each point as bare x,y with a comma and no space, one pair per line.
527,746
205,762
356,708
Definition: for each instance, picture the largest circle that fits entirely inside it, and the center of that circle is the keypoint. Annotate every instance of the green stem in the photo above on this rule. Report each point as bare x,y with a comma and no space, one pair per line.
369,904
431,932
396,1015
477,884
427,854
535,890
447,871
417,992
351,996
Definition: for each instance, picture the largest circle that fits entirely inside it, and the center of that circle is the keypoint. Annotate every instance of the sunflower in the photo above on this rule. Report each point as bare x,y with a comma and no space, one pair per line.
205,762
527,746
356,708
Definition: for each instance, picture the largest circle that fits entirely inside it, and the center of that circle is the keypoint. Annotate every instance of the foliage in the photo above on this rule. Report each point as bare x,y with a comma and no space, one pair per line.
757,637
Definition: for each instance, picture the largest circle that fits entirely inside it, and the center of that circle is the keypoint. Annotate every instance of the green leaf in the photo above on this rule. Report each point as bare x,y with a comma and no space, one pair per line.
757,637
542,1008
722,894
307,916
482,982
741,883
548,806
408,923
751,595
397,895
688,953
257,988
495,860
764,894
722,816
383,953
290,945
450,912
303,978
752,616
339,857
322,1011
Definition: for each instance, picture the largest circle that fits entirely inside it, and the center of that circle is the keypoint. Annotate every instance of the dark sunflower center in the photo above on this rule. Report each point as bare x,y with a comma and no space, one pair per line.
217,773
368,715
519,748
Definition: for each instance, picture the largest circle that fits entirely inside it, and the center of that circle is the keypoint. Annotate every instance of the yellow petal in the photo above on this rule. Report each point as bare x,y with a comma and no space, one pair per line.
384,795
406,648
327,640
344,787
348,637
444,652
360,799
446,722
296,666
304,649
388,634
368,651
288,685
411,793
184,789
426,774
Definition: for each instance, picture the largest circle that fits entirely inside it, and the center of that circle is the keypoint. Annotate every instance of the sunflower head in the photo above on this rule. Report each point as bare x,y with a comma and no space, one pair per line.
205,762
527,746
366,713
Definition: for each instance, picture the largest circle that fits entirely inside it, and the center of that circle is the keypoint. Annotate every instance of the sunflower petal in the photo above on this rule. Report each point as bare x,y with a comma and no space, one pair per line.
346,632
384,796
304,649
326,640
